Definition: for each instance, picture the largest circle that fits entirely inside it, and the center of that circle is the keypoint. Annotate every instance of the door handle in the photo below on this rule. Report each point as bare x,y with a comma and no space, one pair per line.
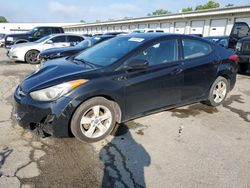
176,71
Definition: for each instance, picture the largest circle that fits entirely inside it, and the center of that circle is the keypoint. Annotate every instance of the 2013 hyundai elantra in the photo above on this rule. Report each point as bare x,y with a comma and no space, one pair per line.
120,79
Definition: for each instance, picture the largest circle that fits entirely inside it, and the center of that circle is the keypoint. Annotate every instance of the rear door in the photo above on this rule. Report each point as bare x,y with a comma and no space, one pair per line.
199,68
158,85
57,42
74,40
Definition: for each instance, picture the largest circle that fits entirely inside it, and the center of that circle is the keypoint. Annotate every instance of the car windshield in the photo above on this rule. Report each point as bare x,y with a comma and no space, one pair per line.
42,39
110,51
89,42
32,31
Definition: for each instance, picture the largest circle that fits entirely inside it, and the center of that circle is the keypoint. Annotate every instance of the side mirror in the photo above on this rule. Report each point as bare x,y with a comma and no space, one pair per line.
136,64
49,42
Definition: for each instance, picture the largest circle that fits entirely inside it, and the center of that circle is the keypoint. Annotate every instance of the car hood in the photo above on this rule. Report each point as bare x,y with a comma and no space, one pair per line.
26,44
55,72
52,51
19,35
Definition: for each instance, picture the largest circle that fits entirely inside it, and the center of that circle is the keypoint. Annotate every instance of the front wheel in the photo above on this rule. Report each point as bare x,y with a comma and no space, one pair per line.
94,120
218,92
32,57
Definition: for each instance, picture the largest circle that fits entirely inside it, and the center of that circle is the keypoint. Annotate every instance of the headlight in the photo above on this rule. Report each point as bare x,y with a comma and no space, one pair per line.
57,91
238,46
10,39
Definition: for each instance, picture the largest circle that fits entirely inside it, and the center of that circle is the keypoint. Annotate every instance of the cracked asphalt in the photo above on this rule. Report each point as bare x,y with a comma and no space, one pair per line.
191,146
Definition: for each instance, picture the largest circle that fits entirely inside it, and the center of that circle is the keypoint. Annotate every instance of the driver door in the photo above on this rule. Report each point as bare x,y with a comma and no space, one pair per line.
158,85
56,42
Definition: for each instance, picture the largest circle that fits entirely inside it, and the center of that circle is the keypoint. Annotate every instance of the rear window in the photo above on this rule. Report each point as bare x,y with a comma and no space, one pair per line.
195,48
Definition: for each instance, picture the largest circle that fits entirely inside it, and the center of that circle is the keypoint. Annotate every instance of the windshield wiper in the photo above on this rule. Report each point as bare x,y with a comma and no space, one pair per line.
85,62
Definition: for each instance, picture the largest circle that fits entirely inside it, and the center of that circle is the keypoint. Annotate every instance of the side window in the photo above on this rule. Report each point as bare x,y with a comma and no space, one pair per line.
160,52
43,32
56,30
59,39
241,30
47,31
74,39
195,48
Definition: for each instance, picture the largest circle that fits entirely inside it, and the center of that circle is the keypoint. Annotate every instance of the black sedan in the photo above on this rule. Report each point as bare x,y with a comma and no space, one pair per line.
120,79
72,50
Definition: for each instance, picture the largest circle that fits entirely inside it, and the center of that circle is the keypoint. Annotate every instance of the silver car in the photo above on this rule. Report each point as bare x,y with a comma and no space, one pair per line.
28,52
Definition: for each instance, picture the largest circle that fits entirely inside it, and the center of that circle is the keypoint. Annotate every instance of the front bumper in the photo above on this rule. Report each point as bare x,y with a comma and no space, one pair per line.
51,117
14,55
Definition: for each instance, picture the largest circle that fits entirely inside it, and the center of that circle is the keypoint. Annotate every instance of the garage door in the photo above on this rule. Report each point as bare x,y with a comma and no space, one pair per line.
110,28
153,26
247,20
104,29
197,27
142,26
117,28
180,27
124,28
133,27
165,27
218,27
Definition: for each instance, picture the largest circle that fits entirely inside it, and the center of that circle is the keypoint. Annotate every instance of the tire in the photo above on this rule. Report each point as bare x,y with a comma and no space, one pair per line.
87,124
31,57
243,67
218,92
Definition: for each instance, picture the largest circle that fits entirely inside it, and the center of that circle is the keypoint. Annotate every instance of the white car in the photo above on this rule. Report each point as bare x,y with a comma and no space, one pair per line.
28,52
2,39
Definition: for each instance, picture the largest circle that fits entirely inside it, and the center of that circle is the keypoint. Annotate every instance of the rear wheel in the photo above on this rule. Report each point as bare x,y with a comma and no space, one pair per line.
94,119
218,92
243,67
32,57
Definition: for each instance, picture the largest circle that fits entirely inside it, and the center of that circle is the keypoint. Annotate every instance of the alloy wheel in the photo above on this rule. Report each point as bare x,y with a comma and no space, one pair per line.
96,121
219,92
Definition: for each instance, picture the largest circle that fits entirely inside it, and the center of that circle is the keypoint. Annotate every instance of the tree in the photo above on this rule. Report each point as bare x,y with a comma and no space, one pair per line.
126,18
3,19
159,12
208,5
82,21
188,9
229,5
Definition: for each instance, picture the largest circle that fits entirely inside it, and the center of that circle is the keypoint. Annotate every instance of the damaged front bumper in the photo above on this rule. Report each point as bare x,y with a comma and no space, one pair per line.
51,118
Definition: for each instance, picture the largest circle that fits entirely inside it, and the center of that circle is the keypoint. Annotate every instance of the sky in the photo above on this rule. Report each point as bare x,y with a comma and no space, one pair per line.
92,10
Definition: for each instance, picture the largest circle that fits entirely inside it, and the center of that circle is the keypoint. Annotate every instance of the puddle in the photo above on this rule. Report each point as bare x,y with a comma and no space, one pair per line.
193,110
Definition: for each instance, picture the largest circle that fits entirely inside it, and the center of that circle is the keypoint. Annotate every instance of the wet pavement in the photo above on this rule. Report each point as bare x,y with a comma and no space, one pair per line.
192,146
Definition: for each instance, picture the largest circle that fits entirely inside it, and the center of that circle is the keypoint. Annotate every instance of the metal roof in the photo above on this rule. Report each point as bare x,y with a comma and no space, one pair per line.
200,13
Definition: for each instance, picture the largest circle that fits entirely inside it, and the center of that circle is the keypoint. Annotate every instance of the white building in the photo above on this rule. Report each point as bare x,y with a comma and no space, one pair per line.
8,28
206,22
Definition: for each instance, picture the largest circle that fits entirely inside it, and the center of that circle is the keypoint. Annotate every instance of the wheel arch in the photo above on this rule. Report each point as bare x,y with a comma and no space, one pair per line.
29,51
108,97
227,75
21,41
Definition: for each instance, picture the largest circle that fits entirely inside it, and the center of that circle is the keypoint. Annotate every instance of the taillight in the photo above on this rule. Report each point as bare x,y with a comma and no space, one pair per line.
234,58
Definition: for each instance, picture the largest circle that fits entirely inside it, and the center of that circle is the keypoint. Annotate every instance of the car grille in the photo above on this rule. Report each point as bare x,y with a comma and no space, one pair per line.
246,46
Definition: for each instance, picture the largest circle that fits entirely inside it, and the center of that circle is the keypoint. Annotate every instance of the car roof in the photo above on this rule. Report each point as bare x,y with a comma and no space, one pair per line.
149,36
65,34
218,37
